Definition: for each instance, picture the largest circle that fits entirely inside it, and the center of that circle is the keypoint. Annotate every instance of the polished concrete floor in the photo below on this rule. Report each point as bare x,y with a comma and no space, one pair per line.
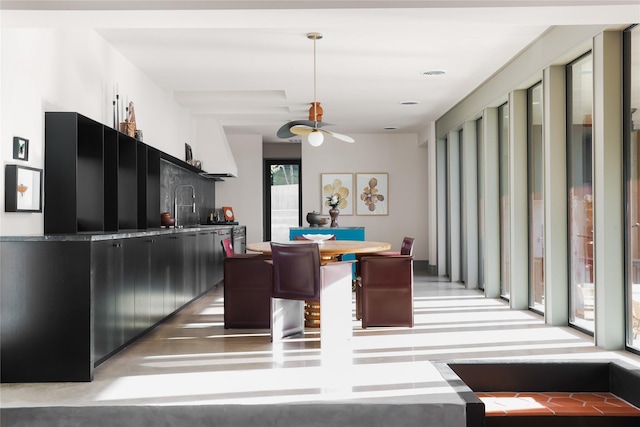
381,375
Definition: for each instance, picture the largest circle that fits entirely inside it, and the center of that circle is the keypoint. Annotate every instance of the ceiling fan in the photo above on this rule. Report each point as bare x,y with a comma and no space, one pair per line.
311,127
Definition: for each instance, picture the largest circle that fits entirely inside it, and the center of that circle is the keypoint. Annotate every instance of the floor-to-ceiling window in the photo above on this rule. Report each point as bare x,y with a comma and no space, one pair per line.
505,218
535,161
481,230
580,192
283,198
632,156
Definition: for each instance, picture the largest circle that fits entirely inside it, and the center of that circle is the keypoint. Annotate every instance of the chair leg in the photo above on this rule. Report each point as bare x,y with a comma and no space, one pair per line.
287,318
358,298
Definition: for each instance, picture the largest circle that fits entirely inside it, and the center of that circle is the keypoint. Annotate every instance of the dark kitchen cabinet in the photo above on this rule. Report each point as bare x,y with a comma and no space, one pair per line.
218,257
206,261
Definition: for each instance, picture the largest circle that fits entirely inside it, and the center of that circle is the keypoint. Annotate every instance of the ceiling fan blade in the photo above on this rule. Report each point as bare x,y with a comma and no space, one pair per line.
301,130
339,136
285,130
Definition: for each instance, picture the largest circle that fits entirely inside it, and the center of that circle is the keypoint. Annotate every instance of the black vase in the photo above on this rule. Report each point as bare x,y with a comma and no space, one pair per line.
333,213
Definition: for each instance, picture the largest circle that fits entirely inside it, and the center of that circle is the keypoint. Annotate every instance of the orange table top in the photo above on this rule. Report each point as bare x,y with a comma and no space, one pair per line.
330,248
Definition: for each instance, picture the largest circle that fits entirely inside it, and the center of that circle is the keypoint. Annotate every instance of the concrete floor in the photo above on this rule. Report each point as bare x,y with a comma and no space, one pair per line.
191,371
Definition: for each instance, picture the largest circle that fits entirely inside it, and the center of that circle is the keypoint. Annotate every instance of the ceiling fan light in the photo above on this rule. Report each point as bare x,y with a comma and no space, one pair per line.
315,138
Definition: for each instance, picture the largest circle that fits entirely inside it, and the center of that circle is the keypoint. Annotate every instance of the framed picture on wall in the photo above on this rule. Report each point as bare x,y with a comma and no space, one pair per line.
372,193
20,148
337,187
23,189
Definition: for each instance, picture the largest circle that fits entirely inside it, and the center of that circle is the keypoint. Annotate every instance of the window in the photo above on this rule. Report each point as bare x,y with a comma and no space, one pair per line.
632,156
580,193
535,171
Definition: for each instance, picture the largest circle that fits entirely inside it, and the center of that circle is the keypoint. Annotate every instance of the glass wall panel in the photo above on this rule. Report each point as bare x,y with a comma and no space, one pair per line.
580,194
632,148
505,219
481,231
535,161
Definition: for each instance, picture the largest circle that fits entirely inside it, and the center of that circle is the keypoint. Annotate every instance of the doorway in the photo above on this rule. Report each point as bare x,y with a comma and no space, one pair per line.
282,198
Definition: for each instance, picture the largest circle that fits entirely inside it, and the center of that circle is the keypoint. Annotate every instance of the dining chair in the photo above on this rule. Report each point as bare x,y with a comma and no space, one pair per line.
299,277
247,289
406,248
386,290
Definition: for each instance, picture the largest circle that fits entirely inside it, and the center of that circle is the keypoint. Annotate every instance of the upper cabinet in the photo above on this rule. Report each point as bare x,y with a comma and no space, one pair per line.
97,179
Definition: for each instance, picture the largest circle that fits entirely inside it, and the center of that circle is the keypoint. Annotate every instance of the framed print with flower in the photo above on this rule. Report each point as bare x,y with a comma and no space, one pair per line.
372,193
337,192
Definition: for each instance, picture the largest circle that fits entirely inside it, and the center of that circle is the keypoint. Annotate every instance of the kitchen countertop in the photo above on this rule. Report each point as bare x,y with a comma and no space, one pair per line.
123,234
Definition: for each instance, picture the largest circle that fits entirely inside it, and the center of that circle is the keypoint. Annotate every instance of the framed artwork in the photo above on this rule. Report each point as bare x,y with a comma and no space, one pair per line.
337,187
228,213
372,196
20,148
23,189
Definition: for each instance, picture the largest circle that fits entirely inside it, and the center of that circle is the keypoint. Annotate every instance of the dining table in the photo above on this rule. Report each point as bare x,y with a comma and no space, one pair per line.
330,251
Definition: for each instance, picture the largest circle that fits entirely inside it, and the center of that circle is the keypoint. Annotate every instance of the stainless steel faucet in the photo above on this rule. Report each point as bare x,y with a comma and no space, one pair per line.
176,205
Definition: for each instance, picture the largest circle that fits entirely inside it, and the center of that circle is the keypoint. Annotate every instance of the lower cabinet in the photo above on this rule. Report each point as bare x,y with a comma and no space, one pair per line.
77,302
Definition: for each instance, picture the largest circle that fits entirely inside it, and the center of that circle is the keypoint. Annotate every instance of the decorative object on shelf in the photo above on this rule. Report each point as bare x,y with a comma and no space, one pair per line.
373,191
166,220
197,164
188,154
311,127
20,148
339,185
315,219
23,189
228,213
138,135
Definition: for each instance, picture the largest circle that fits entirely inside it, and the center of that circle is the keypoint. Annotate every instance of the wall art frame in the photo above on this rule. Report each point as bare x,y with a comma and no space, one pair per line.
23,189
337,183
20,148
372,196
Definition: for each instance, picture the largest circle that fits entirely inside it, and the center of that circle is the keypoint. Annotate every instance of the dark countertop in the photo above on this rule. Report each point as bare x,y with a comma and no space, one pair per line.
123,234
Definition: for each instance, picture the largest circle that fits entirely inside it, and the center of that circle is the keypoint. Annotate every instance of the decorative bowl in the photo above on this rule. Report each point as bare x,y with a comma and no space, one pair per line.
318,238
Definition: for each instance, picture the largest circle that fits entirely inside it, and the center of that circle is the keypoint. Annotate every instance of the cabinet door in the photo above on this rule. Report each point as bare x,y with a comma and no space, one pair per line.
173,273
160,274
125,296
190,266
142,293
104,311
218,259
205,261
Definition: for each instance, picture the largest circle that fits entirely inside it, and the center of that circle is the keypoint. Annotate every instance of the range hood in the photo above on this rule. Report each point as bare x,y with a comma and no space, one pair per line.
213,148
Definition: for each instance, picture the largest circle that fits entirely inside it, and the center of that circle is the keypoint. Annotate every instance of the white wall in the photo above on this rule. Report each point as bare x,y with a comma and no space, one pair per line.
244,193
402,158
74,70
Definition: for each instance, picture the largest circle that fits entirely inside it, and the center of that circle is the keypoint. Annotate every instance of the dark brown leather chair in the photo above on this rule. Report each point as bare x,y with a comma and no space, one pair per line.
298,276
387,290
406,248
247,289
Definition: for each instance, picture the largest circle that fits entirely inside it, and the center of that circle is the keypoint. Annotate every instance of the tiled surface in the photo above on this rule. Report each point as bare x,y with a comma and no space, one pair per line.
555,403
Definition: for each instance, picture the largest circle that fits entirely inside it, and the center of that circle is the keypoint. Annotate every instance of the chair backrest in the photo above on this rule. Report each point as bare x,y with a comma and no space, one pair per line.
296,271
227,246
407,246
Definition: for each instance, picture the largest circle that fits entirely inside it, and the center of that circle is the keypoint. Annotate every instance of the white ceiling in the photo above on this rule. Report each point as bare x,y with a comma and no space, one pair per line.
250,64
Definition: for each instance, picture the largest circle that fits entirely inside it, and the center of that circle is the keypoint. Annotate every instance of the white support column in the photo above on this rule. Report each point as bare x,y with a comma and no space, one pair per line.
519,224
491,204
433,201
470,203
608,191
441,183
556,292
453,173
